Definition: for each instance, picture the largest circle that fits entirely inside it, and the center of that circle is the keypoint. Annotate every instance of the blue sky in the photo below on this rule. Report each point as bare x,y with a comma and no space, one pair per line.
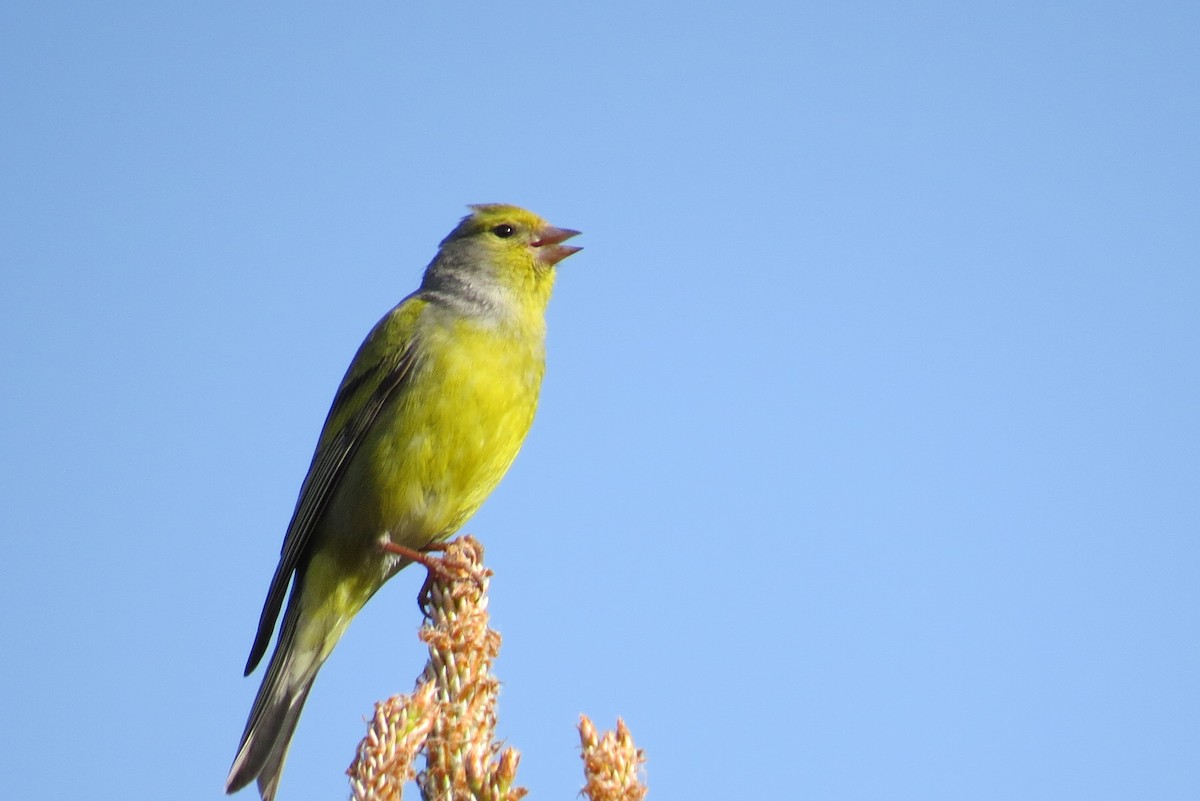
868,454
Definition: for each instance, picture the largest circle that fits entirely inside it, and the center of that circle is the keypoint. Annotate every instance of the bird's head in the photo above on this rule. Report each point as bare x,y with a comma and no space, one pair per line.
501,231
502,249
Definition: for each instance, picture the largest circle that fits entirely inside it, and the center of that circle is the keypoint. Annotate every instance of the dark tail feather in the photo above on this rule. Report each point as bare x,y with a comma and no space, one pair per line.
272,769
275,712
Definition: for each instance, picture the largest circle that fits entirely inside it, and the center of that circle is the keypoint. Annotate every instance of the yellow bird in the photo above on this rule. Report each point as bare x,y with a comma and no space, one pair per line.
431,413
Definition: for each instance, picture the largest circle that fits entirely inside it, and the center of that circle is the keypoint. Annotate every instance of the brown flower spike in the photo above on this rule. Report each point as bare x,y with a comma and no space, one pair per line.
612,764
385,756
463,760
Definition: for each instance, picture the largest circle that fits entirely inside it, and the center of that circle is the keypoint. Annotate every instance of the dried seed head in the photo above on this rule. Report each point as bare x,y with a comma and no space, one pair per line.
611,764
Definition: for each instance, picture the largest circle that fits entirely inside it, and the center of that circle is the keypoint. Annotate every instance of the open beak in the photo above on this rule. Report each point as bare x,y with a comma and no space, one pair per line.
549,244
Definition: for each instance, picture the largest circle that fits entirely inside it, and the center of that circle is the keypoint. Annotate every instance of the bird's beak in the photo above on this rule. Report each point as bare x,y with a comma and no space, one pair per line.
549,244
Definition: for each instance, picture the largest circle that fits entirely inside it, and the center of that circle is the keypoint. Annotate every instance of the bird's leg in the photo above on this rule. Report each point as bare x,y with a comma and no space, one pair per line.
421,557
432,565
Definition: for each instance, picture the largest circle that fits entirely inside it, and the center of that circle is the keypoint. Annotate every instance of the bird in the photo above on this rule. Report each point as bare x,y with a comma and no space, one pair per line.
431,413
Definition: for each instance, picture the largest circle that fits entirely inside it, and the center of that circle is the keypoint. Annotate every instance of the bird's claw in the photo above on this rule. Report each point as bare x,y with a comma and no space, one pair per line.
435,569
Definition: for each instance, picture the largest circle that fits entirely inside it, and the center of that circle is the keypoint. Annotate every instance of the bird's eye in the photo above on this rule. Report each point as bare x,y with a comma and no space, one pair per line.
504,230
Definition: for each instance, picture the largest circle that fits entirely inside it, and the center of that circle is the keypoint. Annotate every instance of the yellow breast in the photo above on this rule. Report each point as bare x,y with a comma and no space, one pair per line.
447,442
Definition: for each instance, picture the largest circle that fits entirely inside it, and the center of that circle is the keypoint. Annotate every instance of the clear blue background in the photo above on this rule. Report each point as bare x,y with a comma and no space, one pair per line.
868,458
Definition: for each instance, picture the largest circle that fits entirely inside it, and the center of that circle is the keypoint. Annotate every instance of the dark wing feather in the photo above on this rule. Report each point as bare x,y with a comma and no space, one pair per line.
324,474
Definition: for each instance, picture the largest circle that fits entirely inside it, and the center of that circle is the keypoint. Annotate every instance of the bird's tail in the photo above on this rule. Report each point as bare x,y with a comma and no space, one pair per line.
276,709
